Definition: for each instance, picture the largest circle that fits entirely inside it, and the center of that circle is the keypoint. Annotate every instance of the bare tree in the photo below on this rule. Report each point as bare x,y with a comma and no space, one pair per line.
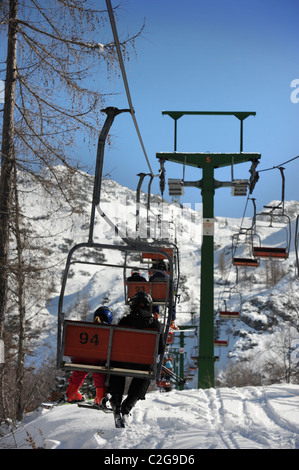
53,90
20,274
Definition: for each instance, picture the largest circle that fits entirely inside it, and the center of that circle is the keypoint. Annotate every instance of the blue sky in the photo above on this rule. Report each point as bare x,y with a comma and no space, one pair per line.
207,55
212,55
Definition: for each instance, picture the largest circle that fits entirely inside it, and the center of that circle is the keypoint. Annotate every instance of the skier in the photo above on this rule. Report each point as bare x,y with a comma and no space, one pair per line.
165,376
101,315
140,317
161,274
136,277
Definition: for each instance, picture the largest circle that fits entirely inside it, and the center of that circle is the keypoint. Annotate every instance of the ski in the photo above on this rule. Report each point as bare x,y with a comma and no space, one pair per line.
95,406
119,420
52,404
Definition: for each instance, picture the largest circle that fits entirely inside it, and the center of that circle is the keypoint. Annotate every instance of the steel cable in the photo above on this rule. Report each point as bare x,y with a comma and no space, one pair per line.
124,76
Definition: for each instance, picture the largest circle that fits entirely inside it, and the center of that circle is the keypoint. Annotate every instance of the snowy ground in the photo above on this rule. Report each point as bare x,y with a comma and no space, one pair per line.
223,418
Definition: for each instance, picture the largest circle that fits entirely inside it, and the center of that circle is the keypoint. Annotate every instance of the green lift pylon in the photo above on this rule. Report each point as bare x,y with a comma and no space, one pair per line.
208,162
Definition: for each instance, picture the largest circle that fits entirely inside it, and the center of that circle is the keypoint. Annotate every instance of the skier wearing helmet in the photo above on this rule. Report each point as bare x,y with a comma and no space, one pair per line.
160,273
101,315
140,317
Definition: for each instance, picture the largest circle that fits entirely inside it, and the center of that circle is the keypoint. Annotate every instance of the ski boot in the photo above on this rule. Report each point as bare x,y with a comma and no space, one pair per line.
100,396
115,402
128,404
73,395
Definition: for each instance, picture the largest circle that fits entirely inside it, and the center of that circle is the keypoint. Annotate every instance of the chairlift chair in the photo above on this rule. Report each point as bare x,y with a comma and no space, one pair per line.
242,246
273,215
227,300
273,222
218,342
113,346
159,290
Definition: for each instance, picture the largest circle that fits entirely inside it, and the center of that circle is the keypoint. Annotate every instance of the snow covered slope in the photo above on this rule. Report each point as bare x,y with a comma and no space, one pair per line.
222,418
268,295
234,418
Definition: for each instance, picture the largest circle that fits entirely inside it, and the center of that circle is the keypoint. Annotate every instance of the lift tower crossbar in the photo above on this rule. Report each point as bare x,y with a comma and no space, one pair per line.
208,162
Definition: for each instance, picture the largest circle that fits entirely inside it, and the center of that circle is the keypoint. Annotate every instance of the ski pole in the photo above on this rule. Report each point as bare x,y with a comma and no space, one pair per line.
173,375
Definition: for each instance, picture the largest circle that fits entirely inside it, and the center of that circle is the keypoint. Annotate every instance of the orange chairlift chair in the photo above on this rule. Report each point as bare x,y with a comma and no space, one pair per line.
109,344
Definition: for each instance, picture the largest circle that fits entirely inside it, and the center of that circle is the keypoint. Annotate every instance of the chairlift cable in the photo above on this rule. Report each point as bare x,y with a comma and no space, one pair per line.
277,166
124,76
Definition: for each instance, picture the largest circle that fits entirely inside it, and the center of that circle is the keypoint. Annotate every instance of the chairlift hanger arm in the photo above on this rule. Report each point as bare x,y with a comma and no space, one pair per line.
203,159
241,115
111,114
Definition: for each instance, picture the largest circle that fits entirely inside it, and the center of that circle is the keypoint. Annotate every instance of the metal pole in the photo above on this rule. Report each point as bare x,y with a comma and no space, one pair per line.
182,344
206,320
208,162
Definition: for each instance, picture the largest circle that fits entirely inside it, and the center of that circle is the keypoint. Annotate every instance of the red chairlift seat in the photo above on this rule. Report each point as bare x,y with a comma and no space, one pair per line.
270,252
120,350
250,262
228,314
218,342
157,290
158,256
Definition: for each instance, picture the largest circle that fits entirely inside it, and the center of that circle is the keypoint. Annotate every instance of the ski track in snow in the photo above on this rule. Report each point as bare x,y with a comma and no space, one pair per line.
223,418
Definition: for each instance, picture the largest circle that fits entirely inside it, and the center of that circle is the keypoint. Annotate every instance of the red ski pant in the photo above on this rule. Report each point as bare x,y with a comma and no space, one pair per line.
78,377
